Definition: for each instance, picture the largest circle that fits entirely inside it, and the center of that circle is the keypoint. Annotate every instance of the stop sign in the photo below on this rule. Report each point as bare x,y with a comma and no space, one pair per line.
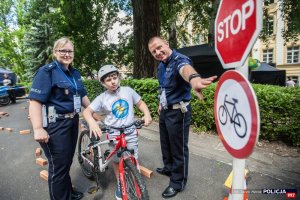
237,26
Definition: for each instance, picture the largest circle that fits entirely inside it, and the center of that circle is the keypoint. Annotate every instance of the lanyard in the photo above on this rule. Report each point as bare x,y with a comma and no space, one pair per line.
163,72
73,83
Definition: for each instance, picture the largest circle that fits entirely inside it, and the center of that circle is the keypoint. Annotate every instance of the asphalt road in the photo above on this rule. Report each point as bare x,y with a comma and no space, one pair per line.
20,180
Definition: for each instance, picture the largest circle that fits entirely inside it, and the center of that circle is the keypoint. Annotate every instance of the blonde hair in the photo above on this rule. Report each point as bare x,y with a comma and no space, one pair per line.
157,38
60,43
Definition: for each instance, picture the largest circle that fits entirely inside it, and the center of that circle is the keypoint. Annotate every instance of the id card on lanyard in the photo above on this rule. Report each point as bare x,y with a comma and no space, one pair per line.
77,103
76,98
163,98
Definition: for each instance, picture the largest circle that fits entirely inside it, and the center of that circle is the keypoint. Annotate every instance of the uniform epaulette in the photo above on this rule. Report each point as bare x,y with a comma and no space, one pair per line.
49,67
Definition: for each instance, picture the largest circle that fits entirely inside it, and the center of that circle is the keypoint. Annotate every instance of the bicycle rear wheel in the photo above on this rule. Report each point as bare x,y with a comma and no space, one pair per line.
134,182
83,142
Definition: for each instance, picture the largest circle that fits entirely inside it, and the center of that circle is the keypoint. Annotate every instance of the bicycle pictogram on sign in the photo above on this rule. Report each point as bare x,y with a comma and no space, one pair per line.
236,118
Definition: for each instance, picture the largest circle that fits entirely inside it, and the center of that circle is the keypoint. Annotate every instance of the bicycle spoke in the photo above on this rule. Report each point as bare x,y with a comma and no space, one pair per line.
88,153
130,184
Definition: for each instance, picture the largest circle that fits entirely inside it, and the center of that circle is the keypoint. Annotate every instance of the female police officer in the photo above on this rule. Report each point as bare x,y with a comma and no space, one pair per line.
56,97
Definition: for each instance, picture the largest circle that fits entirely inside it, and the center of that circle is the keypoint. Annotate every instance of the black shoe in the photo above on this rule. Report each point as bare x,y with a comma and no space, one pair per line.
162,171
76,195
169,192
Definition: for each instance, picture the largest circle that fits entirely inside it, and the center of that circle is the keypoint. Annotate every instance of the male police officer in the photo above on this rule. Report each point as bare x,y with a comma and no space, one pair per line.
176,77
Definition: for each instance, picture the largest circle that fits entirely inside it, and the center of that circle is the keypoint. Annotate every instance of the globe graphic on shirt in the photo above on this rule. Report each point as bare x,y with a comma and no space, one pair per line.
120,108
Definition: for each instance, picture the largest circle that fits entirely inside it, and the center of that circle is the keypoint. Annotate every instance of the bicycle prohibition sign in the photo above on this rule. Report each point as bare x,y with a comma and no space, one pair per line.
235,118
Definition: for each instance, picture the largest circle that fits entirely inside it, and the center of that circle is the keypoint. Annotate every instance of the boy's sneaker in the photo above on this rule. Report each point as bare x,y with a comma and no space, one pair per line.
118,193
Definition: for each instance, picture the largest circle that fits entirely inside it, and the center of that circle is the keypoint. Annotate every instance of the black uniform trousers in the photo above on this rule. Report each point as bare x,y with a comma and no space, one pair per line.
60,151
174,136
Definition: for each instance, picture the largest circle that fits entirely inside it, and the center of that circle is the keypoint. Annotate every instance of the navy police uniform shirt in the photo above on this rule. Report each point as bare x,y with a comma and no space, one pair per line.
177,89
54,85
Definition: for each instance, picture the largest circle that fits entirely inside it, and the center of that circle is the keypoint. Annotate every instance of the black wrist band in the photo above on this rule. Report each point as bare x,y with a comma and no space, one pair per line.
193,76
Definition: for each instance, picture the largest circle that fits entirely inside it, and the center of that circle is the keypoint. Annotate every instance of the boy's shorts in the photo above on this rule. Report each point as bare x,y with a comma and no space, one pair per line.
131,141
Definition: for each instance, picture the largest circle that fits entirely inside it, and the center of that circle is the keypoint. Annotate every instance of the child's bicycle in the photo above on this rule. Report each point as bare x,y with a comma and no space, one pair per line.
93,161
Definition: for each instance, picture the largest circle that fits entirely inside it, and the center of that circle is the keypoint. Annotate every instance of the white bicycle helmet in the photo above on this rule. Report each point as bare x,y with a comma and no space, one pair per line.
106,69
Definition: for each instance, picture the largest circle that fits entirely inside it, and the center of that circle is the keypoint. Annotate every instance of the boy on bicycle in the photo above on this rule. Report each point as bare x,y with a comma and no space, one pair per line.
118,105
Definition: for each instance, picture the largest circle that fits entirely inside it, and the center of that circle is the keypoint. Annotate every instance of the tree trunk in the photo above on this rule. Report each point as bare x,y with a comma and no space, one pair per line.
146,24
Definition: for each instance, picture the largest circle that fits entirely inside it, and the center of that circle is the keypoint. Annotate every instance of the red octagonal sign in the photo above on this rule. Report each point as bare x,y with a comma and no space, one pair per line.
237,26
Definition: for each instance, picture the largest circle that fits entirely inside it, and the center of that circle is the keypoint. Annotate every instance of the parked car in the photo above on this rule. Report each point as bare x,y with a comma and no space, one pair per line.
5,99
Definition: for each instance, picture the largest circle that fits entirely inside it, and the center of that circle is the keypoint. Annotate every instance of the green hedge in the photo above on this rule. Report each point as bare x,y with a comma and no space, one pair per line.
279,108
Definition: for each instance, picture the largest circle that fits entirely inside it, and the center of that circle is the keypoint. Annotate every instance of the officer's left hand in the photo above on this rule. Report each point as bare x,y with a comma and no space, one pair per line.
201,83
41,135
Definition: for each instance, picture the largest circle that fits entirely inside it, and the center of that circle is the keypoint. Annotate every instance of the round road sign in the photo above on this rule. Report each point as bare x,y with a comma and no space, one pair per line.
236,114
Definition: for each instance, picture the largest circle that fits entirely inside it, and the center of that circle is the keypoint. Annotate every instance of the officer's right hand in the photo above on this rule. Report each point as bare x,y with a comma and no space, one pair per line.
41,135
158,109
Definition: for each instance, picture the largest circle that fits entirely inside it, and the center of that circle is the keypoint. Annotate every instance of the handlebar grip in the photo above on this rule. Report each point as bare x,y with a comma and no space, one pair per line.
139,123
104,128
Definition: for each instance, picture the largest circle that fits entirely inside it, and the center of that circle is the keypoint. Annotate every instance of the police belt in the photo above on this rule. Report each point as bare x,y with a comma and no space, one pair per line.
66,116
177,105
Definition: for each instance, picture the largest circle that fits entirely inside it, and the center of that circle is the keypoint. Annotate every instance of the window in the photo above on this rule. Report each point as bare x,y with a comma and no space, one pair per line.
268,2
268,56
269,26
292,55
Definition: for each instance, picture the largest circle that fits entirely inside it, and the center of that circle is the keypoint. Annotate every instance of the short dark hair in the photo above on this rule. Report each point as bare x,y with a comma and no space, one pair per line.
107,75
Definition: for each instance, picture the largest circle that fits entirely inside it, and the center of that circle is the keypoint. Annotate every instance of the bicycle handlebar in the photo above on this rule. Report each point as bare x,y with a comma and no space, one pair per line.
138,123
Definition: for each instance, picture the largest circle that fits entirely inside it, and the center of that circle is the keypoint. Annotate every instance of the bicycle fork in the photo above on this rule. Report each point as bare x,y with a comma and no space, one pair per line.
122,176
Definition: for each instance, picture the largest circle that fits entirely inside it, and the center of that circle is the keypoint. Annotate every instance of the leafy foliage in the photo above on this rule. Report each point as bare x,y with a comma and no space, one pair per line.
291,13
10,39
93,88
147,88
280,113
289,10
176,16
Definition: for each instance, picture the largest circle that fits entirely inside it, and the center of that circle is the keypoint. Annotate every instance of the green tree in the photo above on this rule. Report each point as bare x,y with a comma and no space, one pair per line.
38,39
85,22
11,35
291,14
177,15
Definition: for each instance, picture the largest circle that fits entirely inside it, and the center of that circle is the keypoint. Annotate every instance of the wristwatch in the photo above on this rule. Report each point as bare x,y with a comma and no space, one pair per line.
193,76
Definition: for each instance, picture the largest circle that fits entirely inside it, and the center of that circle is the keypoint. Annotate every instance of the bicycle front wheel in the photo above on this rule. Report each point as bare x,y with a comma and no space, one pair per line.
135,186
83,142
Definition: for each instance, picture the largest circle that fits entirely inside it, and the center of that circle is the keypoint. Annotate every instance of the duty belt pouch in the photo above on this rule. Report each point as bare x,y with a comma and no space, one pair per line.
51,114
183,107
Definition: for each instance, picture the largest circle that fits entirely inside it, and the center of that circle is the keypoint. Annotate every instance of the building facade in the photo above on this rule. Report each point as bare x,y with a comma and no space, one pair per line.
274,50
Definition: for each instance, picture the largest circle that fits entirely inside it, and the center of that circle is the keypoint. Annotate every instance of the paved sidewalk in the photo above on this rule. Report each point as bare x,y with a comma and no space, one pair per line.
262,161
209,166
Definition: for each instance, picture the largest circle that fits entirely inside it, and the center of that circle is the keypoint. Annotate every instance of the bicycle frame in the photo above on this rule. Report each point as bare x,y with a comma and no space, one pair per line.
104,163
126,158
233,110
236,118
